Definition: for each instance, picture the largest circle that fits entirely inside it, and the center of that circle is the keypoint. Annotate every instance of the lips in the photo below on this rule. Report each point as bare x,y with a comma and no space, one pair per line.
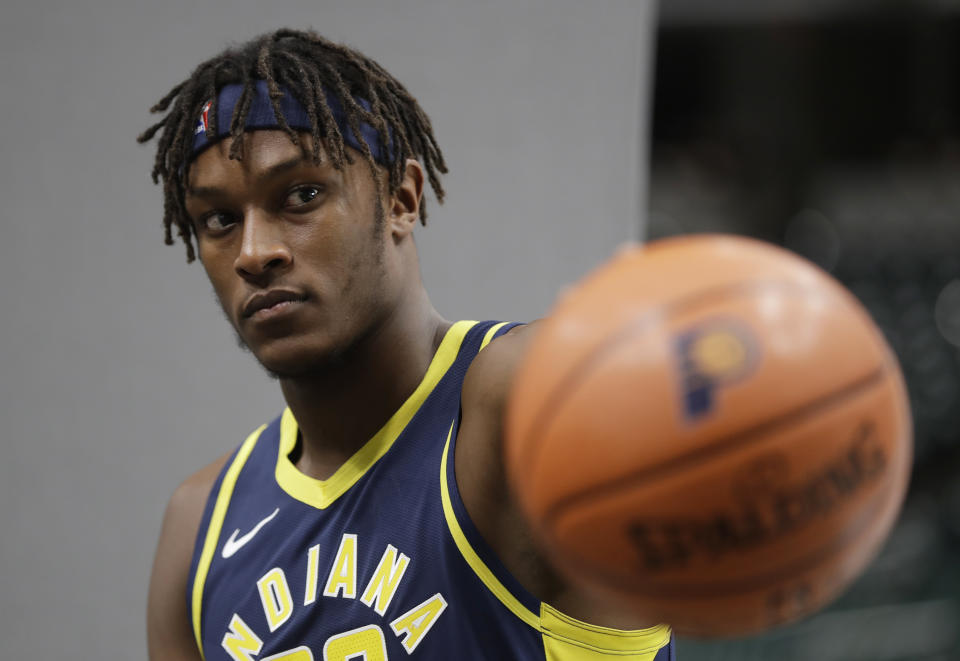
267,300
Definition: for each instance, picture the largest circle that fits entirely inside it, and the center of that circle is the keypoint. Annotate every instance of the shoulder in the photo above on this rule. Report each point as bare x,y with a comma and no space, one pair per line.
169,633
486,388
186,504
190,496
488,379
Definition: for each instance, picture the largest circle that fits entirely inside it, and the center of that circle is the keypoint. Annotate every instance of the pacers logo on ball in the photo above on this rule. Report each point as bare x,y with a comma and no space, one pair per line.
712,355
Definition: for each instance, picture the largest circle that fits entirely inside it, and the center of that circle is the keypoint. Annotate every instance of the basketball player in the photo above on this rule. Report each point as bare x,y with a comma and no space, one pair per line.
371,519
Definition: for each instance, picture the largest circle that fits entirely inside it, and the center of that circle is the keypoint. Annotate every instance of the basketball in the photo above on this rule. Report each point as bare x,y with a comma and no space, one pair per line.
712,431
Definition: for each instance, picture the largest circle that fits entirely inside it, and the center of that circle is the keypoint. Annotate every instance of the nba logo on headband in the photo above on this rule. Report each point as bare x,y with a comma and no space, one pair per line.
204,120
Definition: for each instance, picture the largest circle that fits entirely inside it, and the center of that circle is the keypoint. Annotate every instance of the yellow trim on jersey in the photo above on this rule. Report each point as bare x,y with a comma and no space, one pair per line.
569,639
321,493
490,333
479,568
216,524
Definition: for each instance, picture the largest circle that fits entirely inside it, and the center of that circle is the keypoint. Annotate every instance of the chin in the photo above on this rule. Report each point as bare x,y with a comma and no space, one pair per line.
296,359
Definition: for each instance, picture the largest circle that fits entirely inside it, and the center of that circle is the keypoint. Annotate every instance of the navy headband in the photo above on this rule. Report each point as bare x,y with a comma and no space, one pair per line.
261,116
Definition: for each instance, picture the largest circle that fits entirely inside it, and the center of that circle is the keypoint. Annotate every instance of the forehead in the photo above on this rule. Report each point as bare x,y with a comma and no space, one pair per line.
263,151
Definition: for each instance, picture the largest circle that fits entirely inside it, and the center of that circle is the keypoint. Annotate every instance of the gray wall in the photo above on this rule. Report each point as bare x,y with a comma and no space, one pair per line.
118,375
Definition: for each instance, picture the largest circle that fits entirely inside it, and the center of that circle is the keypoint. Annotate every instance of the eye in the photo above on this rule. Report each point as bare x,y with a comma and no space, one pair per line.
217,221
301,195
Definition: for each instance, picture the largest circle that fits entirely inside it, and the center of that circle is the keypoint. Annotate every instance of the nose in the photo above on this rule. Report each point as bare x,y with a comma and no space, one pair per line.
263,247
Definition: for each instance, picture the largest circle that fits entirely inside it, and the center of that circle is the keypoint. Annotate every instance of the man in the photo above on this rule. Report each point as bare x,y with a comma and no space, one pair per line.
372,519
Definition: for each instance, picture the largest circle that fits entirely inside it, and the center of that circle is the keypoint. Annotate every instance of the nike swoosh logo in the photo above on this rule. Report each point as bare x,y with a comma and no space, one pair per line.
234,544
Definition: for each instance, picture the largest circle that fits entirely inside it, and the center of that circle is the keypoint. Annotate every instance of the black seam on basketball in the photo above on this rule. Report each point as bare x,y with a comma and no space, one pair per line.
572,379
769,579
720,447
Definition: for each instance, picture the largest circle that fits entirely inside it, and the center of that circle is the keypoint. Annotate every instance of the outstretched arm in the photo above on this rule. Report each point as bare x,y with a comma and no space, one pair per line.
482,481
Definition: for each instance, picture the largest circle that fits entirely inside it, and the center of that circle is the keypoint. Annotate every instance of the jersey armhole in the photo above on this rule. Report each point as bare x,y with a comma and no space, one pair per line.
564,638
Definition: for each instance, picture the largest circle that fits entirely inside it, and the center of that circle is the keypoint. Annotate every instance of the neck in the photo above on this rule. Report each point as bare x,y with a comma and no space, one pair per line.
340,409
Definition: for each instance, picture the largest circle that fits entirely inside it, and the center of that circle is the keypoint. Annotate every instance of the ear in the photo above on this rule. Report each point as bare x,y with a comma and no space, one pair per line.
404,211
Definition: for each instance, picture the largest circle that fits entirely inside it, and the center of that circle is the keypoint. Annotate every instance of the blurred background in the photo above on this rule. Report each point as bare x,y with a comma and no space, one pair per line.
832,127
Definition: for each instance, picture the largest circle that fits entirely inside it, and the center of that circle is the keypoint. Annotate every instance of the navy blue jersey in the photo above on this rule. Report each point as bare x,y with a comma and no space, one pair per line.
380,560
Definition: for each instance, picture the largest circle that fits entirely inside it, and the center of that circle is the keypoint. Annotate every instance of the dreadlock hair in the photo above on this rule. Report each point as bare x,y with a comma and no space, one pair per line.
310,67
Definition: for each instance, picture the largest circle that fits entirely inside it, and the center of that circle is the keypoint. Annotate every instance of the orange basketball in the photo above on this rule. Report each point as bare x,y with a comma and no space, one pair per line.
711,431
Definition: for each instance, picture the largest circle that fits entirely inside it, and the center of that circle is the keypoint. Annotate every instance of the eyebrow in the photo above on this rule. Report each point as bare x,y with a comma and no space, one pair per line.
268,173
